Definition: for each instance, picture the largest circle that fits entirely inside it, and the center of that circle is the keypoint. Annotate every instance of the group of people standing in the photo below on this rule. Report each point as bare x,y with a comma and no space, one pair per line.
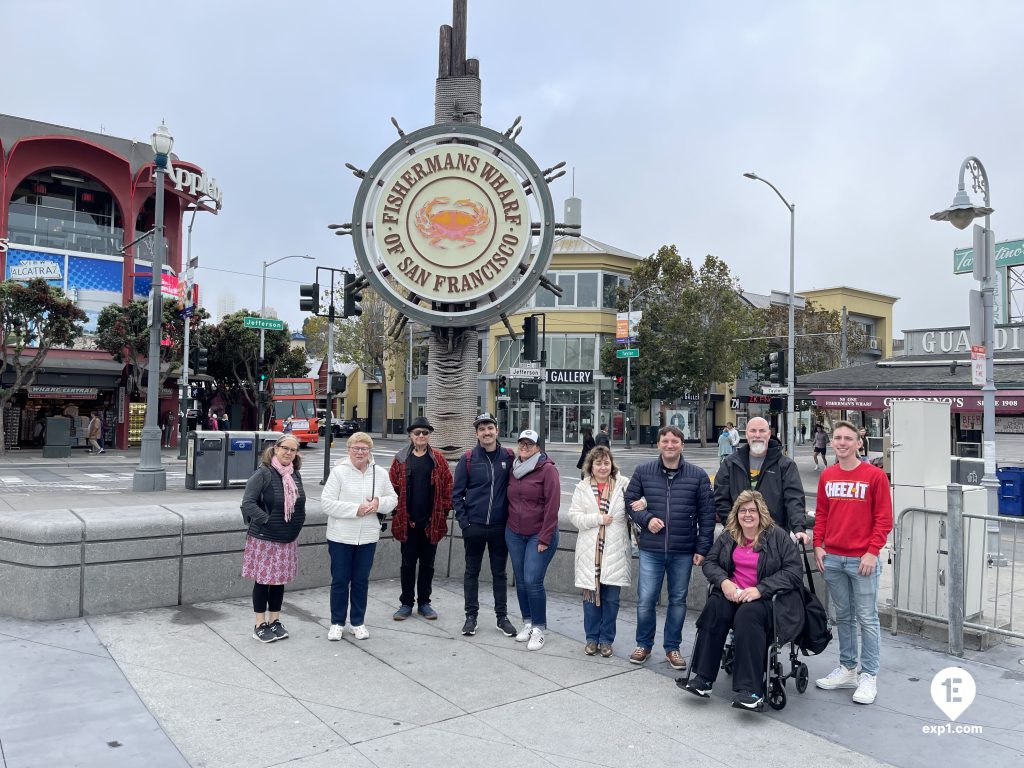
506,504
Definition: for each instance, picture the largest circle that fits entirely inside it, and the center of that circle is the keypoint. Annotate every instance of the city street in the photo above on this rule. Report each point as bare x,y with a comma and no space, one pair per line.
28,481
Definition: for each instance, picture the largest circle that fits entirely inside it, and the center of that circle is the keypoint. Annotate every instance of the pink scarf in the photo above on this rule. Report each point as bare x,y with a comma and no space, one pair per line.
291,492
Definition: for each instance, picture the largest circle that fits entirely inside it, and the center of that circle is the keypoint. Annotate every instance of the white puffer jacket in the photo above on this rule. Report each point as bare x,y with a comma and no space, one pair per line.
585,515
345,490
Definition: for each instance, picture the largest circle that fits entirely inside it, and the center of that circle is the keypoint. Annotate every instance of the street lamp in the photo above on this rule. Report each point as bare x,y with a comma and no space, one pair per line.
183,389
150,474
791,344
960,213
263,297
629,360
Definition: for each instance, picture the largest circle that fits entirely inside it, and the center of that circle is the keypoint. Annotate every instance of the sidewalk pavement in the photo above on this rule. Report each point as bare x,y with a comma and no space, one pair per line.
189,686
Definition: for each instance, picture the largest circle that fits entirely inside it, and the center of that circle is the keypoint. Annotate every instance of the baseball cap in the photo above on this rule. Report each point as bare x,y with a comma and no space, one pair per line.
484,418
529,434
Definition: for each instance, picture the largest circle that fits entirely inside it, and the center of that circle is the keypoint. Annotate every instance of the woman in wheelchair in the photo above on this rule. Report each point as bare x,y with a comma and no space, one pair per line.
751,562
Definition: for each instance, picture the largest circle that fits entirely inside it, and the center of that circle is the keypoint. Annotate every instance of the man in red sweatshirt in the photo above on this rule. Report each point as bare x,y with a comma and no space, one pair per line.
851,522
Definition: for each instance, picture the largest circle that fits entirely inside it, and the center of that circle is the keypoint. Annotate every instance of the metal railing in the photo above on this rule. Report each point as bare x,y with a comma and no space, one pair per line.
949,567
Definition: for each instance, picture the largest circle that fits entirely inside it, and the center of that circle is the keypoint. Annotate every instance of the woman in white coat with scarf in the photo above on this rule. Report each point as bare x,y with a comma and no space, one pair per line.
603,555
356,492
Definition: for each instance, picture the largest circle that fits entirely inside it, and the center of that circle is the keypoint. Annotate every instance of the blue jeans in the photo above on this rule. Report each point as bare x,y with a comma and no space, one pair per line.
350,579
599,620
855,598
529,567
654,566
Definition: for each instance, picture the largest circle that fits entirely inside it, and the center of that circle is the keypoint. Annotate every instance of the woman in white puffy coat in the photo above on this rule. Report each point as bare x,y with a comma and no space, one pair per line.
603,554
356,492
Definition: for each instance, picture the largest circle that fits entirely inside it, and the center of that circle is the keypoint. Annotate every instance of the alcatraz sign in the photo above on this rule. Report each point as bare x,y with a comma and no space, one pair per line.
444,230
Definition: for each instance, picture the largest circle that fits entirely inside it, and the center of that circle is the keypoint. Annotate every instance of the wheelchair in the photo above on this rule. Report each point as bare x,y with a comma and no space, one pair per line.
775,674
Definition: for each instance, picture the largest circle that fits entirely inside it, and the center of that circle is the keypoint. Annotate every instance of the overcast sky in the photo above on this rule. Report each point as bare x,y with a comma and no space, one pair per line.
860,112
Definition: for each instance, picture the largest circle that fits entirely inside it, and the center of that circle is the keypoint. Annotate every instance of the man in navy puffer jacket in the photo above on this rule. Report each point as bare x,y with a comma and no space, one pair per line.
672,502
480,500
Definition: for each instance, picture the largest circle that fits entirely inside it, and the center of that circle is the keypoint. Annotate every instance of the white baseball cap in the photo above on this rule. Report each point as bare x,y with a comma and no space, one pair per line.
529,434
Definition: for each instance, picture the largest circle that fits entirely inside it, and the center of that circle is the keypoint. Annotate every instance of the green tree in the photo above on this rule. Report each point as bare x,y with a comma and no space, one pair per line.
234,357
691,319
34,318
123,333
370,342
818,336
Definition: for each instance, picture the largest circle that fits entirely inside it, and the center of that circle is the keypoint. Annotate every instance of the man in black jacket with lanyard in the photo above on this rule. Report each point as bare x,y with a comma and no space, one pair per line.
761,466
671,500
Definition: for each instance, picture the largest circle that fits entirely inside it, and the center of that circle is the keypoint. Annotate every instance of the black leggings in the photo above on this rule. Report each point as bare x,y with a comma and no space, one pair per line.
267,597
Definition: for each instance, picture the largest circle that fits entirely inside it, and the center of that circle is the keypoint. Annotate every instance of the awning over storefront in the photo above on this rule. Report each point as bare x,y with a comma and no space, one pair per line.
1008,401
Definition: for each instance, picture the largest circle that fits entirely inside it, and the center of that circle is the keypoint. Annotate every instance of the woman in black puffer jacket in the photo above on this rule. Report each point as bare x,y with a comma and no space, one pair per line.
274,506
751,562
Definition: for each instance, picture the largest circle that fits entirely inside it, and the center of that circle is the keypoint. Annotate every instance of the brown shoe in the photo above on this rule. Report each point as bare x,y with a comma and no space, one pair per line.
676,660
639,655
590,648
605,649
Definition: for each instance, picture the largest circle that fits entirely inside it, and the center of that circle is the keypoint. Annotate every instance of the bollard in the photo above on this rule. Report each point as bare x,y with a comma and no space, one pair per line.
955,567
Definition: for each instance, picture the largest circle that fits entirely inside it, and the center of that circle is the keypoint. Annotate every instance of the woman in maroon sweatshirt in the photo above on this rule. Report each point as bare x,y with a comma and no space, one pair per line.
534,494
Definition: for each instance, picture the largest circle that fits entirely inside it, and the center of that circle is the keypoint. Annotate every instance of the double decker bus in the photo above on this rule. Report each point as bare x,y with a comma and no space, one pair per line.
295,398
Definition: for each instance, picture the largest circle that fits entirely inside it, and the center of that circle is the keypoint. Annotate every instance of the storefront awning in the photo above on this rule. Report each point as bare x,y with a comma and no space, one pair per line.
1008,401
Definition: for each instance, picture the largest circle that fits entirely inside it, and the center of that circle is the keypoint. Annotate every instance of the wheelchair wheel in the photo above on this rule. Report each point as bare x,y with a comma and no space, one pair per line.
727,656
801,678
776,694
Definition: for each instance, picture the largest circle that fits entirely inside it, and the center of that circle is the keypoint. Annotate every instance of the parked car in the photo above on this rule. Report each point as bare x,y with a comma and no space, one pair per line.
342,427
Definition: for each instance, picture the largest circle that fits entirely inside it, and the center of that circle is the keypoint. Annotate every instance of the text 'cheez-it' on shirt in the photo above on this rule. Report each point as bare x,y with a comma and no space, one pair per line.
853,514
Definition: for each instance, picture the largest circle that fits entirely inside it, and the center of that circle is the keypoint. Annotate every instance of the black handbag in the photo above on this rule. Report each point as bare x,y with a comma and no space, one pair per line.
816,634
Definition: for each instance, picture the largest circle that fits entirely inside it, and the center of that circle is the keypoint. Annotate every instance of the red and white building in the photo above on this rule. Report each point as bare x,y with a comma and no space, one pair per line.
71,202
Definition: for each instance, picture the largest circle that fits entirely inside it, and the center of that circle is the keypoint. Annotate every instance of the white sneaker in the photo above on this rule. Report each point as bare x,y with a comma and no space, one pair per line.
840,677
361,632
334,633
536,639
524,633
867,689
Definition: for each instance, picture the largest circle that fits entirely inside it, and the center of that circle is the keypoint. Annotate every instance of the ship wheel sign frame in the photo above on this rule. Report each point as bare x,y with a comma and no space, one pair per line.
454,225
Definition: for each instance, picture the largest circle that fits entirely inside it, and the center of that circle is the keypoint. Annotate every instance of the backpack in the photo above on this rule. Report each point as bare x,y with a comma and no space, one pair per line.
816,634
469,456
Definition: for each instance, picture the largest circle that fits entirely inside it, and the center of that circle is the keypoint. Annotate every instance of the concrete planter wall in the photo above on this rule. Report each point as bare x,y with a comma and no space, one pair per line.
64,563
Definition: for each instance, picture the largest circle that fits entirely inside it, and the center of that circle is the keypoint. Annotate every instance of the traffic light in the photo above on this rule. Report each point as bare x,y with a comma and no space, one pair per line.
198,359
261,370
339,383
502,386
776,366
531,347
529,391
352,296
309,298
620,385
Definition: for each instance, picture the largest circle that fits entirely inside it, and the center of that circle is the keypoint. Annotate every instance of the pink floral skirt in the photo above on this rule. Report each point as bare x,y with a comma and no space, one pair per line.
270,562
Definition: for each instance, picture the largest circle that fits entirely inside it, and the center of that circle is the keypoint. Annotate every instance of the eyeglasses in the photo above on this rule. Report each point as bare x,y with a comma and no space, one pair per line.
420,432
287,450
359,448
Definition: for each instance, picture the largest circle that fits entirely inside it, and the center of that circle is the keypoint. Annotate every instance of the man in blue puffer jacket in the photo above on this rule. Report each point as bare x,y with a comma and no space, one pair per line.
672,502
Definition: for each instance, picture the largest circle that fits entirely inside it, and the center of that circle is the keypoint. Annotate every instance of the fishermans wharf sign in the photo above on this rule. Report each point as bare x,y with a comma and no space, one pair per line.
453,225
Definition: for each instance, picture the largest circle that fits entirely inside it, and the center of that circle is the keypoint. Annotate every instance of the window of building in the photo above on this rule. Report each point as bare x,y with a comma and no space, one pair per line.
580,290
610,289
542,297
586,289
65,209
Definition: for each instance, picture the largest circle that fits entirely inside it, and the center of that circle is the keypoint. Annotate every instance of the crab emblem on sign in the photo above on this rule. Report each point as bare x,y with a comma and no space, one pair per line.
451,223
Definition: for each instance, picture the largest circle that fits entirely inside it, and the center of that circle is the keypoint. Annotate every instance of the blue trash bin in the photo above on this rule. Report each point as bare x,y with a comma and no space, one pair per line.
1011,491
